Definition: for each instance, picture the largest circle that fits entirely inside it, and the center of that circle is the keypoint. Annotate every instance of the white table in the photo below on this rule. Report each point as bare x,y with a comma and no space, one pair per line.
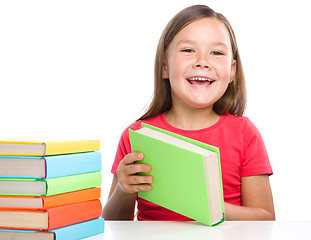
233,230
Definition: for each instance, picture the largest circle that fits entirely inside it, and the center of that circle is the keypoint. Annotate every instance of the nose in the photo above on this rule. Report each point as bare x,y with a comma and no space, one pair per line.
202,61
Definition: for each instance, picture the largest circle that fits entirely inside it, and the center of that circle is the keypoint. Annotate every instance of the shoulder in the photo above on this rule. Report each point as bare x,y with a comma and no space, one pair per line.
155,121
240,128
238,122
245,131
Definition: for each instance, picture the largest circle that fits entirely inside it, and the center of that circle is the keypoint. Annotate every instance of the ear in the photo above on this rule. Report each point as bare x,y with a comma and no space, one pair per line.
233,70
165,71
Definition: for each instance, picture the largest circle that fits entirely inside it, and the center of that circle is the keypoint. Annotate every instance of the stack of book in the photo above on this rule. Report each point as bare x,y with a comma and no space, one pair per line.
50,189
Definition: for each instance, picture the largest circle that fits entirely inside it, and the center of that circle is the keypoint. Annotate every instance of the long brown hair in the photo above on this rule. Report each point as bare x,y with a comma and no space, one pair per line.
234,99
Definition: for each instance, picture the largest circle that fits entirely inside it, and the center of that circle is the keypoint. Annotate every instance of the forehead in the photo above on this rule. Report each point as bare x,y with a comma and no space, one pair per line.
204,30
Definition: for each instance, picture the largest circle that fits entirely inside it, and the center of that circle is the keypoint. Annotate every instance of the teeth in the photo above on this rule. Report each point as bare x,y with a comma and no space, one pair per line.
200,79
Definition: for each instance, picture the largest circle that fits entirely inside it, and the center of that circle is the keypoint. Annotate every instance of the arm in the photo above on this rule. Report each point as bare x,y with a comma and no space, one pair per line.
120,205
121,201
257,200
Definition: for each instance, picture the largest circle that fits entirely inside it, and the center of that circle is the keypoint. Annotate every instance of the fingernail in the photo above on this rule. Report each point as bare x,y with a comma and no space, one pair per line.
140,156
147,168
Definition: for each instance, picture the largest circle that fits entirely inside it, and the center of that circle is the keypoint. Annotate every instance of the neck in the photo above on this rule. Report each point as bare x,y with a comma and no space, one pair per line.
191,119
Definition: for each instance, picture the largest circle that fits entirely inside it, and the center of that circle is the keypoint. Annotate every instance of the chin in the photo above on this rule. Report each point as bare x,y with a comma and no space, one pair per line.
201,105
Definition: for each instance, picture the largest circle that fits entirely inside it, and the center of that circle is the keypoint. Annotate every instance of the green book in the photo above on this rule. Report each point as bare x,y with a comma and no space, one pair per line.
186,173
48,187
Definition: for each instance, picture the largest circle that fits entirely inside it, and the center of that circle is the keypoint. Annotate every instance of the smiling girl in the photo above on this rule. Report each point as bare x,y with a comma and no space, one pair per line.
199,93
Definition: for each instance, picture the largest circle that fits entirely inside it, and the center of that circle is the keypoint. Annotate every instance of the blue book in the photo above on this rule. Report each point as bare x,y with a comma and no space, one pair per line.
49,166
71,232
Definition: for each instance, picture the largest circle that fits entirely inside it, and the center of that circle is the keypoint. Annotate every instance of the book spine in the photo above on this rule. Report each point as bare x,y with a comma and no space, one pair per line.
72,164
80,230
72,183
74,213
54,148
70,198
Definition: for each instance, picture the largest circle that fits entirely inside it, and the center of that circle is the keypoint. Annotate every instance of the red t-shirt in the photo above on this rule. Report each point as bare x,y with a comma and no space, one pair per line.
242,153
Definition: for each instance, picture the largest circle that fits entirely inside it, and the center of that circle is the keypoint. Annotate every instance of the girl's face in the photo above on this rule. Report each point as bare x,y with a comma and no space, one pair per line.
199,64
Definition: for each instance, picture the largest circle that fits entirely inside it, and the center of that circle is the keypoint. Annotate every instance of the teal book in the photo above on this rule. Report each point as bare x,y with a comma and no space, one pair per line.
186,173
48,187
71,232
49,166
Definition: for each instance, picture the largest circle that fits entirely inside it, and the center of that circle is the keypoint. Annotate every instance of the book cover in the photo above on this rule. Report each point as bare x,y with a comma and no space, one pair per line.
38,202
49,166
186,181
48,187
72,232
46,146
51,218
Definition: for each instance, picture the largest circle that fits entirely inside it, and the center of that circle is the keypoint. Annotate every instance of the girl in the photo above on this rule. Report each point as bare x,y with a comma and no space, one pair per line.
199,93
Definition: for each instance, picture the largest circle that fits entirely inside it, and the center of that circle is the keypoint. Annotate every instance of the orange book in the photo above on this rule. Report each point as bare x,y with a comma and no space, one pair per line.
38,202
51,218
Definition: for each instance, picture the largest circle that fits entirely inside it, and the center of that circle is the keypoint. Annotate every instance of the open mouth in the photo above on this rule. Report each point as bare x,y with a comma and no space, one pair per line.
200,81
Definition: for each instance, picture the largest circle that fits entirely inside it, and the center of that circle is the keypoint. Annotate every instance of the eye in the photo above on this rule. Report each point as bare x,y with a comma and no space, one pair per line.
187,50
216,53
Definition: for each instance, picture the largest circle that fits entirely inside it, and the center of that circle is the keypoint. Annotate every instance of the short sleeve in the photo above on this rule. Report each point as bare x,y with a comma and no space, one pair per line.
124,146
255,157
123,149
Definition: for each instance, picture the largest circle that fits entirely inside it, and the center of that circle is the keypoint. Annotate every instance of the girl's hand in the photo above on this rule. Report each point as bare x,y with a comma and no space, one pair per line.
127,174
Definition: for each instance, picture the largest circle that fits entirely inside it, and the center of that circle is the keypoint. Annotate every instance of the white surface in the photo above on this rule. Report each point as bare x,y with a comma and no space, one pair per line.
78,68
134,230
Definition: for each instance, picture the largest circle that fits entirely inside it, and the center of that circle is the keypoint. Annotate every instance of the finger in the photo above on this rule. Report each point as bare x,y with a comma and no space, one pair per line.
136,168
136,179
136,188
143,187
132,157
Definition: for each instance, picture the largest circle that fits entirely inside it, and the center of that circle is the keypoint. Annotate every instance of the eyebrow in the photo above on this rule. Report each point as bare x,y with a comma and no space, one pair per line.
193,42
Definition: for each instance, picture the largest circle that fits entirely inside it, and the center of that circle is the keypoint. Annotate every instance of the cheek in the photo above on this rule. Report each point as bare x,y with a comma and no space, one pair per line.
173,71
176,66
224,71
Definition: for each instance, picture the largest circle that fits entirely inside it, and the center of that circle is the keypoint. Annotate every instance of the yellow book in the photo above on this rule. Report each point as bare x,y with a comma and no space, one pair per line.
46,146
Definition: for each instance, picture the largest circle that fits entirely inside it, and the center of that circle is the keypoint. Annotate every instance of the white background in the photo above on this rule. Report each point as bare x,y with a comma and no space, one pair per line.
85,69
